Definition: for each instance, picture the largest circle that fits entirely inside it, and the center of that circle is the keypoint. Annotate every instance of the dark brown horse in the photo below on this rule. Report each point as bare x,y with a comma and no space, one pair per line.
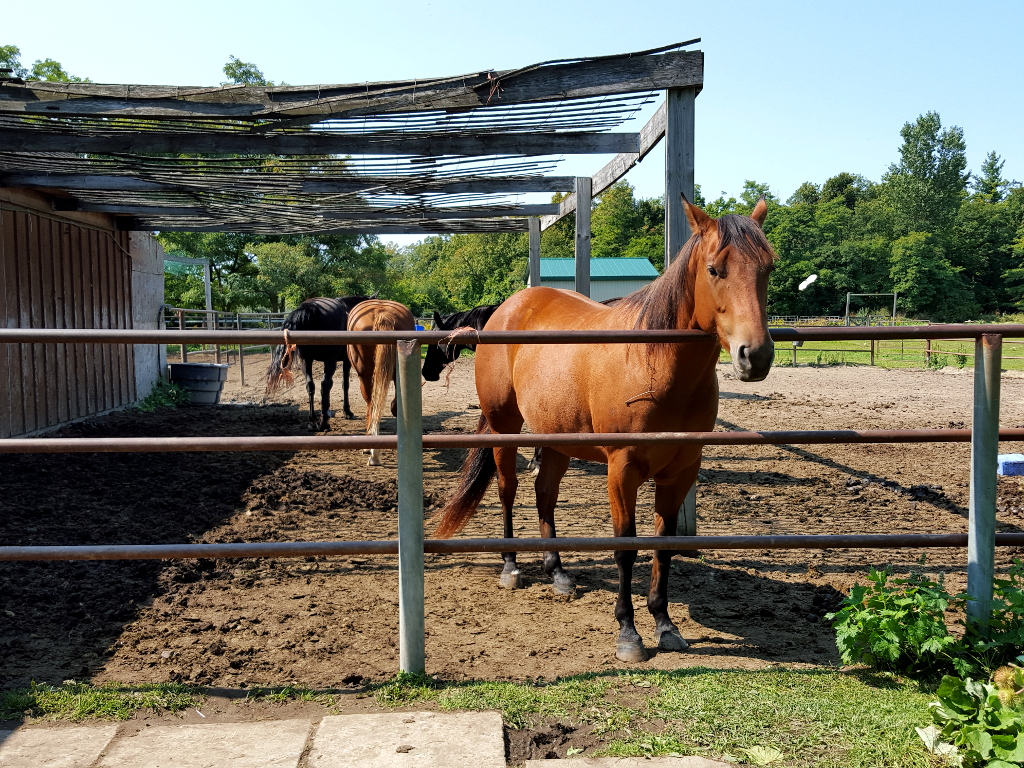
375,363
315,315
718,284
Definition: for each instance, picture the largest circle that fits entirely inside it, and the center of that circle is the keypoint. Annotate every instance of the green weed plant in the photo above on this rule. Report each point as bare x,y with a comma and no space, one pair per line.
900,625
164,395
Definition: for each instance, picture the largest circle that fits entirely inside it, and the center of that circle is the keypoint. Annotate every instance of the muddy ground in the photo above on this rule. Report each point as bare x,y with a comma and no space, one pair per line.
332,622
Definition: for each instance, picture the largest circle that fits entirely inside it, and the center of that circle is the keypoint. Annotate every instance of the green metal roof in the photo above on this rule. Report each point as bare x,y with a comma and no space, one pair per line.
600,269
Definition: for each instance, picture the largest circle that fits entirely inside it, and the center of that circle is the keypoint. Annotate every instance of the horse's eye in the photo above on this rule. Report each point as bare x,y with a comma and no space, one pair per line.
712,271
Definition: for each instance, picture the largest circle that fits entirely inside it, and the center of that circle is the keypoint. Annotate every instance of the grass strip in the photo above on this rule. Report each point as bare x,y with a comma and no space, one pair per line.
83,701
819,718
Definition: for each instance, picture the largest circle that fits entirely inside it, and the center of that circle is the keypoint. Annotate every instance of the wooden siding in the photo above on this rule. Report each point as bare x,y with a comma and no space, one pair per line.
58,273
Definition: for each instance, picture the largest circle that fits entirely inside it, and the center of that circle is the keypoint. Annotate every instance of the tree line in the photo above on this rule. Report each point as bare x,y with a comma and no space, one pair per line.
949,241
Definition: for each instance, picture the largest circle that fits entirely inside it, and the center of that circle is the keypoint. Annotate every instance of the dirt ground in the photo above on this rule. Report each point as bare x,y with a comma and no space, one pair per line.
332,622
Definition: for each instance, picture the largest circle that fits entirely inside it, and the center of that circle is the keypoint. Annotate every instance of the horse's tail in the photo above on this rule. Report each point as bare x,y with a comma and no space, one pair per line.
477,472
279,374
284,357
383,372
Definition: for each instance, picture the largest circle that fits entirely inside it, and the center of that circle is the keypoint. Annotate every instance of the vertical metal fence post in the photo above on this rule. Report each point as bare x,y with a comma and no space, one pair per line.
928,355
181,327
872,351
981,534
411,654
215,326
241,351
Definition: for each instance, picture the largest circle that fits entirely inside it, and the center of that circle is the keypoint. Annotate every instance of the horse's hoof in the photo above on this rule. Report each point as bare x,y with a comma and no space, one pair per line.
511,580
631,651
671,640
373,462
349,416
564,584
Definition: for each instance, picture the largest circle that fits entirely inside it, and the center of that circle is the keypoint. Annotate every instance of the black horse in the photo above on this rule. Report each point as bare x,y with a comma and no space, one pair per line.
440,355
316,315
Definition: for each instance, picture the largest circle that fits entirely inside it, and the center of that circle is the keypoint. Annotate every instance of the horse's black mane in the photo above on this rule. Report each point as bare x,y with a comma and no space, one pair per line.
476,317
438,357
657,304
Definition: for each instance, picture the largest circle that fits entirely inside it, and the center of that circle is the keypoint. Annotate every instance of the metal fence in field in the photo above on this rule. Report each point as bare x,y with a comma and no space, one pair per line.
410,442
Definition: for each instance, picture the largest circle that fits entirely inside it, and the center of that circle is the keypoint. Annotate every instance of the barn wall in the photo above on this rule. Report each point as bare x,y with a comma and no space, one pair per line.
61,270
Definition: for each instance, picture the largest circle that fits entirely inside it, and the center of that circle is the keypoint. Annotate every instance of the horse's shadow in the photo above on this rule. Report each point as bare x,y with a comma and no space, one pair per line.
725,611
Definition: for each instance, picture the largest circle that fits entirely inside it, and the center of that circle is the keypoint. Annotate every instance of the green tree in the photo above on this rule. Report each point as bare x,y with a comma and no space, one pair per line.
990,186
928,285
52,71
849,187
10,58
925,188
244,73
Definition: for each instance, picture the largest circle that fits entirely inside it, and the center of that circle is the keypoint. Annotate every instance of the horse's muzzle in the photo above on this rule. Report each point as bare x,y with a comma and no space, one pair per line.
753,363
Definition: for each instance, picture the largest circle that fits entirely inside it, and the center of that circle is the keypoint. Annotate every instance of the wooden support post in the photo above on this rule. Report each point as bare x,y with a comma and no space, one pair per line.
981,531
583,187
794,355
686,523
241,351
181,327
534,277
411,647
679,146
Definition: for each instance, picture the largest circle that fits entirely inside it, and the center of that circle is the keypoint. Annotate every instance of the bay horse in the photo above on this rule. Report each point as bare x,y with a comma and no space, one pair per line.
319,314
718,284
440,355
375,363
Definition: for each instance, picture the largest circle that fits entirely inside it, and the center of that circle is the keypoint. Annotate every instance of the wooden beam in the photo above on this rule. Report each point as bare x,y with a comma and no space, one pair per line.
441,213
582,252
559,82
302,185
678,167
617,167
534,270
323,143
450,228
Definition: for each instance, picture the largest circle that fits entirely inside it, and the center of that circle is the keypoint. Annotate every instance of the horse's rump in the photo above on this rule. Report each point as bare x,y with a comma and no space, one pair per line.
377,315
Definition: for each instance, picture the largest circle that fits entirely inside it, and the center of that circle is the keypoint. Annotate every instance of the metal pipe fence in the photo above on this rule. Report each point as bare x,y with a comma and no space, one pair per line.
410,441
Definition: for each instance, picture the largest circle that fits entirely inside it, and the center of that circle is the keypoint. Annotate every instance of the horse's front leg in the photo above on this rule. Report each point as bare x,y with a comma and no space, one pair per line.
307,370
508,484
667,501
552,469
346,368
623,482
326,384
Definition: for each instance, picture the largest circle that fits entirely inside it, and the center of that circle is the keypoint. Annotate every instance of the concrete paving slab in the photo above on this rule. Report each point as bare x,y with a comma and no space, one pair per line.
690,761
268,744
54,747
410,740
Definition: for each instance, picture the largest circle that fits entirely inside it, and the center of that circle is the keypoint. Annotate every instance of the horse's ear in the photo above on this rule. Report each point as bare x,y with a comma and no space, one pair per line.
759,212
699,221
438,321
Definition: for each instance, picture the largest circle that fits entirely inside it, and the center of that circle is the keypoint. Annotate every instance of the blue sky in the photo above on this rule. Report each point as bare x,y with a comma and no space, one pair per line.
794,91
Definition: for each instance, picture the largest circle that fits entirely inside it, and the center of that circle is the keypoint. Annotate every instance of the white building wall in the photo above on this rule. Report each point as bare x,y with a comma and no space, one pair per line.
147,299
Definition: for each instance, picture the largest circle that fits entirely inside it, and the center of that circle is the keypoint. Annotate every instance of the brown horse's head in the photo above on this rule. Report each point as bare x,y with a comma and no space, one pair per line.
730,260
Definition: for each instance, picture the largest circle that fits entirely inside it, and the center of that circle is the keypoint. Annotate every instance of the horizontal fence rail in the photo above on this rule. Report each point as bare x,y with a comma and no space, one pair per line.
472,546
525,440
313,338
984,437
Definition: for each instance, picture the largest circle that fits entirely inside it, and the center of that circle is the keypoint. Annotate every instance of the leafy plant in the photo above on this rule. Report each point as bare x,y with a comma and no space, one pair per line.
937,362
896,624
984,725
899,624
164,394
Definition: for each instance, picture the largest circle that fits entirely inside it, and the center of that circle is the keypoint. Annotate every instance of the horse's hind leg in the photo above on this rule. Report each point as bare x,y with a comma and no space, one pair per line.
552,469
508,483
326,384
346,368
307,370
667,501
